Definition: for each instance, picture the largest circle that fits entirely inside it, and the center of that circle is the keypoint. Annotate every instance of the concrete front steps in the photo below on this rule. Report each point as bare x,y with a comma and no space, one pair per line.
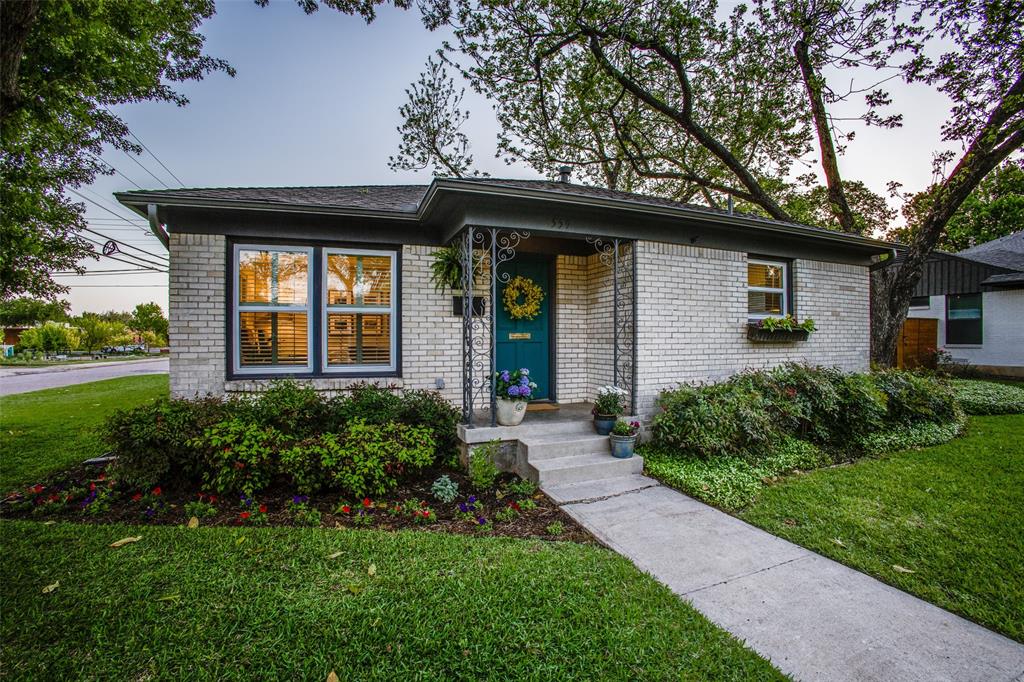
556,459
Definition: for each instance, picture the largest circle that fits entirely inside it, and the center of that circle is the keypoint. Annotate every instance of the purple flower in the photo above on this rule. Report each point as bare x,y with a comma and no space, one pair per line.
300,499
513,391
524,381
524,372
150,511
505,375
463,508
481,520
472,499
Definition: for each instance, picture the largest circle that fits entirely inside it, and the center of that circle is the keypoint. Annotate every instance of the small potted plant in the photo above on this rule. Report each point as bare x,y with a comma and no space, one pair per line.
514,389
607,408
623,437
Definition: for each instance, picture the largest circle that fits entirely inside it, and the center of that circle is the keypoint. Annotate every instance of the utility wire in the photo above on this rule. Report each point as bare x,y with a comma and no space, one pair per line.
96,273
98,159
158,267
139,164
162,165
98,205
103,286
148,253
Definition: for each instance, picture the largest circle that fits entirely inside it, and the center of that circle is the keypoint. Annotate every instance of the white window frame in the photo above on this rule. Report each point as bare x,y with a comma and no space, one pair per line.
238,308
391,310
770,290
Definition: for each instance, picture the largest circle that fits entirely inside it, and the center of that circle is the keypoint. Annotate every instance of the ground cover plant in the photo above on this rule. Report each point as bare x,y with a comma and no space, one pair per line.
49,430
723,442
362,604
988,397
943,523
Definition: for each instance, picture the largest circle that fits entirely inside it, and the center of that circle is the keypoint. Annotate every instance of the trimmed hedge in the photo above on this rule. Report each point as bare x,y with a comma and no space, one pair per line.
721,442
988,397
358,442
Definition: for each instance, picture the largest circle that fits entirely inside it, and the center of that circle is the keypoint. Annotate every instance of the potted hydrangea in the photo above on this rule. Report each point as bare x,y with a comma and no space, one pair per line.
514,389
607,408
623,437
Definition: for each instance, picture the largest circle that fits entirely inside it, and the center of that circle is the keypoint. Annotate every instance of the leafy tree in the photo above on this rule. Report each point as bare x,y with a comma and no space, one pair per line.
431,122
95,333
870,213
25,311
51,337
994,209
63,64
148,317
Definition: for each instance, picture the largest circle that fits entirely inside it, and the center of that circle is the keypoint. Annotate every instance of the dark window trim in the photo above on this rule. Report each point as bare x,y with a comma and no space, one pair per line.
919,306
981,322
316,310
790,280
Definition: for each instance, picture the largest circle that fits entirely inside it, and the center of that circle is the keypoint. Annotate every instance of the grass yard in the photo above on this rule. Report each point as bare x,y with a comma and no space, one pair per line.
945,523
50,430
285,603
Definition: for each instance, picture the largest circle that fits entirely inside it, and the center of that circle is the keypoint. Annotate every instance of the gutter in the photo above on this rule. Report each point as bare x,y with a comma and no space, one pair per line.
136,199
156,228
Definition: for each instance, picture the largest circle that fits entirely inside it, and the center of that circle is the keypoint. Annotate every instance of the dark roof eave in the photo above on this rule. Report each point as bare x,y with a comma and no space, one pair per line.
742,221
141,199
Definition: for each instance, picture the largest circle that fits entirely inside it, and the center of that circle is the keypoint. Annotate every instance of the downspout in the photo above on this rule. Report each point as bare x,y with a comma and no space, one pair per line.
156,228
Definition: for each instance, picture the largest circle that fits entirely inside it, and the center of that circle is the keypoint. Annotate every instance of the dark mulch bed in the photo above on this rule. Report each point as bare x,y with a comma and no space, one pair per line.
62,496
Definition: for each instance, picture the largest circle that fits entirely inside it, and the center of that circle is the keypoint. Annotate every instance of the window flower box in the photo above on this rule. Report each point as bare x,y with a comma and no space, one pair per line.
761,335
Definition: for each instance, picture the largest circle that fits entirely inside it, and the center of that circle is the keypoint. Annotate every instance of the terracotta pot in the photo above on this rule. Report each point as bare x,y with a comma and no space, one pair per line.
511,412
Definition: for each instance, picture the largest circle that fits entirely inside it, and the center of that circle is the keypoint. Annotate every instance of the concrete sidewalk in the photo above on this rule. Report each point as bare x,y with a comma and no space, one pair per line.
815,619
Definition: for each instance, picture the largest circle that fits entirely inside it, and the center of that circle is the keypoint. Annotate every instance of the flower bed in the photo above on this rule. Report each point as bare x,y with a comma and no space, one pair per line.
510,508
988,397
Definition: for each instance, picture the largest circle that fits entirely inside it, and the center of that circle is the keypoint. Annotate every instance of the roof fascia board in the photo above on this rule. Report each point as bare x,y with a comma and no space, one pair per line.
139,199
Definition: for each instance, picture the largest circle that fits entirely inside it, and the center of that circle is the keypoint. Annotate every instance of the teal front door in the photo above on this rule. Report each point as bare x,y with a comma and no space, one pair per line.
526,343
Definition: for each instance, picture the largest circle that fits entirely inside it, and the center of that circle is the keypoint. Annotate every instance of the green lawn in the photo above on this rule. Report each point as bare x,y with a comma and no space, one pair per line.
945,523
49,430
286,603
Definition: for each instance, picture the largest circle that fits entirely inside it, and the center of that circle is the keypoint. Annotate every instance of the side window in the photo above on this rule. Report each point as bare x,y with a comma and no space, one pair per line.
272,315
767,289
963,319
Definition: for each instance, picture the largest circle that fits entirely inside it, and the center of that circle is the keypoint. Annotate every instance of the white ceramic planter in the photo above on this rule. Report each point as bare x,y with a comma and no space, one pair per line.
511,412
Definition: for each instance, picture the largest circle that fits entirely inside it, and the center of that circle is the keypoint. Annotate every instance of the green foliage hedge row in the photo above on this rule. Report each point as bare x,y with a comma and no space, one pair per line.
988,397
721,442
361,442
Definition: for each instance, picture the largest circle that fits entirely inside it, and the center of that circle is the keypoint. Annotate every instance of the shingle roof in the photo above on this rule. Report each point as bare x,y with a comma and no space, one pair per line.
1005,252
398,198
1009,278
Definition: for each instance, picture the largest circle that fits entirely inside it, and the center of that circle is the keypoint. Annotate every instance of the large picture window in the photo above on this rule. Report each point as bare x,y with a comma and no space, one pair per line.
359,310
963,319
314,311
272,309
767,289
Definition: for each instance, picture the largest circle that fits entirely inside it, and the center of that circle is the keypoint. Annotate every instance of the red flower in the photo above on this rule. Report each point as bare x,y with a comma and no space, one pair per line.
103,476
213,499
157,491
136,497
201,496
244,515
37,488
366,502
345,509
263,509
514,505
239,465
92,486
423,503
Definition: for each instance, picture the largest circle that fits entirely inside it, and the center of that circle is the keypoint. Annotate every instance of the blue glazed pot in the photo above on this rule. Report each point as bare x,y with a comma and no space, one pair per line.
622,446
603,424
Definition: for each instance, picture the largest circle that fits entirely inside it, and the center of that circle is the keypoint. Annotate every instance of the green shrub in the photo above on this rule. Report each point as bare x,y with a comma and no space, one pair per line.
719,420
445,489
790,454
152,442
988,397
430,409
482,470
364,459
914,398
240,456
200,509
293,409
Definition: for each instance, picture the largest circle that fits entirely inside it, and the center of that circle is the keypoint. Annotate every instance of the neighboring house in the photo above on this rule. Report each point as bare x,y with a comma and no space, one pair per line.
976,297
332,285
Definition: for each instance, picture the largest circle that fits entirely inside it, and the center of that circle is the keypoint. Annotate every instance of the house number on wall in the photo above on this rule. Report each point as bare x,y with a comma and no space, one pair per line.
519,336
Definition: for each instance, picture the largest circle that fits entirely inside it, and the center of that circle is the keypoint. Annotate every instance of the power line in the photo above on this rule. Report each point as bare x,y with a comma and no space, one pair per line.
102,286
139,164
105,163
148,253
98,205
157,158
96,273
129,262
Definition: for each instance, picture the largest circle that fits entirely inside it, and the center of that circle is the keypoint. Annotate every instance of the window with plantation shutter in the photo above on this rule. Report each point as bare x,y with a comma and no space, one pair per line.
359,309
767,289
272,309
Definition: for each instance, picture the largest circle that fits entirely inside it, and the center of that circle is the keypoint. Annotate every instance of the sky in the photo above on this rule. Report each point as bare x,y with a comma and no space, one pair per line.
315,102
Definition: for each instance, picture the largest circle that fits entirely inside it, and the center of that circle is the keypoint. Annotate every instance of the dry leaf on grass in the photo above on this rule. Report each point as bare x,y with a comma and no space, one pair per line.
334,556
332,677
372,570
901,569
839,542
193,522
126,541
50,588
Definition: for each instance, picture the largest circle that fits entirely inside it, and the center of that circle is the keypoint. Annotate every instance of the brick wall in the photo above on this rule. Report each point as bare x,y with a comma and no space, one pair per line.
196,314
693,308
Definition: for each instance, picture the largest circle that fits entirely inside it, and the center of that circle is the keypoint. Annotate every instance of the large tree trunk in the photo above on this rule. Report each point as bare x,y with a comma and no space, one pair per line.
16,20
885,324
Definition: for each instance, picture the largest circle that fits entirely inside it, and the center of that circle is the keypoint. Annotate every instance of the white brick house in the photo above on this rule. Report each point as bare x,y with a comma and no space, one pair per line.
332,285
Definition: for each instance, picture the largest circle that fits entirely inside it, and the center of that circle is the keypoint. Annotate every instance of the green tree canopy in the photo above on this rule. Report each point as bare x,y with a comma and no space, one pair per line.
148,317
64,64
26,311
